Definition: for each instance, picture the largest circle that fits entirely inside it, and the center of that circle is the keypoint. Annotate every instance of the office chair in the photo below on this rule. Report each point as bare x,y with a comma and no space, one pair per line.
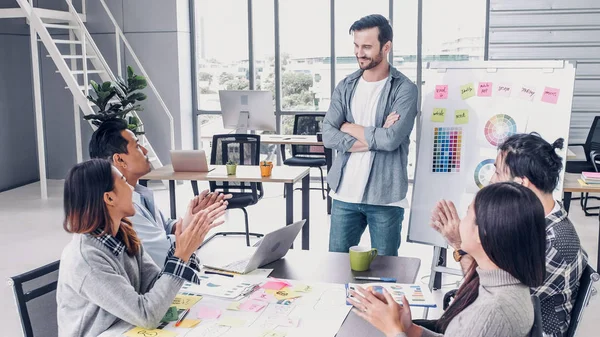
591,149
244,149
305,155
35,294
585,293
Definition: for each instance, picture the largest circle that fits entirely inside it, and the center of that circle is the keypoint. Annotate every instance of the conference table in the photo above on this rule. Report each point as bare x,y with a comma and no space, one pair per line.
288,175
335,268
309,140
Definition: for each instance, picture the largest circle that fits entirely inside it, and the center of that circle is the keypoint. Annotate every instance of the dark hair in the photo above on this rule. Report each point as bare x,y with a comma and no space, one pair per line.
512,229
375,20
107,139
530,156
85,210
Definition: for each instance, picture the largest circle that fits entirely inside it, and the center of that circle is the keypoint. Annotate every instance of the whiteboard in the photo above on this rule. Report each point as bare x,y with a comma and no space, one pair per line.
484,102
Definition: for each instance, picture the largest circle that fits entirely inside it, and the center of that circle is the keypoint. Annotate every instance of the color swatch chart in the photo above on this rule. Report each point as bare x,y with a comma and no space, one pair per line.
447,146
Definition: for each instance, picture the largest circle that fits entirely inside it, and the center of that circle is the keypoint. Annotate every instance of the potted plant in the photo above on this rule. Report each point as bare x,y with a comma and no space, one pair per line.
120,101
266,168
231,167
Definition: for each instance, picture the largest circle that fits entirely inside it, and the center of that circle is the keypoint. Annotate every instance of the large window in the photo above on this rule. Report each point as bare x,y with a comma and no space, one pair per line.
451,31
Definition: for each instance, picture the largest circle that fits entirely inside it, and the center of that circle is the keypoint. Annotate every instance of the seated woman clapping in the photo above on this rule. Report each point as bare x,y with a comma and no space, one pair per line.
105,278
504,231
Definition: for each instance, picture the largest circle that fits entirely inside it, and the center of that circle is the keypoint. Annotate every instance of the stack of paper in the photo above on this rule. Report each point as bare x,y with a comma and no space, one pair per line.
416,295
590,177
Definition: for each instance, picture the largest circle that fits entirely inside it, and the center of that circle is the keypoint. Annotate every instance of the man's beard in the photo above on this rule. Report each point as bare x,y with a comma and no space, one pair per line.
374,62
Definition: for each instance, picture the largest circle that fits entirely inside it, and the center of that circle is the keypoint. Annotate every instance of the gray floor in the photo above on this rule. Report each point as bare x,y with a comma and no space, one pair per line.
32,236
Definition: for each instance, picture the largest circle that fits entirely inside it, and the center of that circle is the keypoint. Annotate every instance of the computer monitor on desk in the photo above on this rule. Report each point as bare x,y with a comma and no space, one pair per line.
245,110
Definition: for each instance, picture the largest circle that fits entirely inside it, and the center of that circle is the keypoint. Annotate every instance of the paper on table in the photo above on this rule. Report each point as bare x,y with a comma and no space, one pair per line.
273,334
284,321
206,312
235,306
183,302
189,323
302,288
285,294
274,285
233,322
139,332
252,305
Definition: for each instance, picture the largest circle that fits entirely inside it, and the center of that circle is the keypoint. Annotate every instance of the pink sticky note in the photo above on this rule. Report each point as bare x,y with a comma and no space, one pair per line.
441,92
252,305
206,312
485,89
262,296
550,95
274,285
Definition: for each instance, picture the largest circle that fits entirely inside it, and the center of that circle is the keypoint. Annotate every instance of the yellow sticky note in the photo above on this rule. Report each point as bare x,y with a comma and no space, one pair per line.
189,323
285,294
302,288
137,332
461,116
234,306
439,115
232,322
467,91
183,302
273,334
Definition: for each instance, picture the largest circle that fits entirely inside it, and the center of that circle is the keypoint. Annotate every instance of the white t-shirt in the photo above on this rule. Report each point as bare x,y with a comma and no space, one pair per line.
356,173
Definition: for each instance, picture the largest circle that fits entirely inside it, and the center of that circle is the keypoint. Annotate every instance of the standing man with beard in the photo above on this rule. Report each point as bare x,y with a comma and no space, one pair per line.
369,122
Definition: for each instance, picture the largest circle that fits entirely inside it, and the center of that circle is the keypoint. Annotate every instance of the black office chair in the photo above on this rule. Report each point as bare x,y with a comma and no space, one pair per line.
585,293
305,155
244,149
591,148
35,294
537,328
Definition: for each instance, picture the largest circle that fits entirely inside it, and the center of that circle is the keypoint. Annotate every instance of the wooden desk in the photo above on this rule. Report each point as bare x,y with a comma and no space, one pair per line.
571,185
250,174
335,268
301,140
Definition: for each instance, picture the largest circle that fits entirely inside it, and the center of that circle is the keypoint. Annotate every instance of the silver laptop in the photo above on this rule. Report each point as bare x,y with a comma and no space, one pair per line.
273,247
189,161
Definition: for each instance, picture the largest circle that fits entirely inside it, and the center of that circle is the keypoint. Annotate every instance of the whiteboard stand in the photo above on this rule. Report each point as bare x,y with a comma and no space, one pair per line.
438,266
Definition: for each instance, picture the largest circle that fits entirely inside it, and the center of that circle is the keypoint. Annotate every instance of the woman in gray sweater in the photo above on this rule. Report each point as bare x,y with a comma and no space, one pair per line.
106,282
504,231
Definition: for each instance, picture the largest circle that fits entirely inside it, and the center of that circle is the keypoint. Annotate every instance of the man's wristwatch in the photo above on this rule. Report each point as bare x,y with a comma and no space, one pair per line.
458,254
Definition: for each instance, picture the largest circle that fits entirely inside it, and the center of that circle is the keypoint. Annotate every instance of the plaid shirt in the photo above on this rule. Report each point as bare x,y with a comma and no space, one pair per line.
565,261
173,265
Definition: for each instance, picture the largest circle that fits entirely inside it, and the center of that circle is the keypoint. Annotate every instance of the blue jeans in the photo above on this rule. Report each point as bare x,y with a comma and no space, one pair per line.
349,221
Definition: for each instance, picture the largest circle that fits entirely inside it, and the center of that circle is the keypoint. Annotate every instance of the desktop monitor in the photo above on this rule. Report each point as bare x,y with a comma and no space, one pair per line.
245,110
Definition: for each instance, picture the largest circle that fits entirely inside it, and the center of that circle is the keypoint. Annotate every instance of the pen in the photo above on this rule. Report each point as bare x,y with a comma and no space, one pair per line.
216,273
187,311
369,278
250,290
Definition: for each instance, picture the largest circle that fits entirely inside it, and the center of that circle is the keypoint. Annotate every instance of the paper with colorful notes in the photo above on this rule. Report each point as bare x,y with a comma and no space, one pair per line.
467,91
441,92
275,285
183,302
141,332
461,116
438,115
485,89
252,305
550,95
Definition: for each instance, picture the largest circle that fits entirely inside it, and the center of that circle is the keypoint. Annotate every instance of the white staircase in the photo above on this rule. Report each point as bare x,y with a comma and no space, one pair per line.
77,59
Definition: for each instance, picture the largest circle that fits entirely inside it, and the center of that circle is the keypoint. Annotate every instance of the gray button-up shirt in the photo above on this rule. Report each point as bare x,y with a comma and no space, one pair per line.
388,179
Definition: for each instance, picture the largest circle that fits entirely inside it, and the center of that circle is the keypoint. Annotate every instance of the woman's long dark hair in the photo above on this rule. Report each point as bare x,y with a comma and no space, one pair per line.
85,210
512,229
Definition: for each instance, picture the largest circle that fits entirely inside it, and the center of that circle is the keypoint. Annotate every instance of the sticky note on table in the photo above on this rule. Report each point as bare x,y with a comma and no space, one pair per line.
183,302
233,322
438,115
467,91
207,312
302,288
285,294
441,92
252,305
550,95
485,89
235,306
139,332
171,315
527,93
189,323
273,334
504,90
275,285
263,295
461,116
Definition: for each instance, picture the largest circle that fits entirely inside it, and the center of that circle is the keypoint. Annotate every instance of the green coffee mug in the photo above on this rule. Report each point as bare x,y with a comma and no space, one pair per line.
361,257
